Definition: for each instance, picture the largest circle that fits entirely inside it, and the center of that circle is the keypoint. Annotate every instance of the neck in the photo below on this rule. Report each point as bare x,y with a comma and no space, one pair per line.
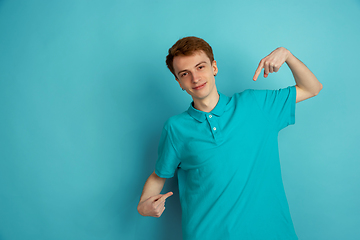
207,104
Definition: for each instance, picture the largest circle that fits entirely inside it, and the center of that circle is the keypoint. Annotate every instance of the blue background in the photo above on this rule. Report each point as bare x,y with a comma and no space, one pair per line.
84,93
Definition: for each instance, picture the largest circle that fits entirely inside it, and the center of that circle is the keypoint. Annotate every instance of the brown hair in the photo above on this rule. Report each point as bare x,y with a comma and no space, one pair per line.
186,47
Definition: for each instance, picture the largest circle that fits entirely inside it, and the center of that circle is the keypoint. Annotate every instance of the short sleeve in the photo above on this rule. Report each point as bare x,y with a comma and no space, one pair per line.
277,105
168,160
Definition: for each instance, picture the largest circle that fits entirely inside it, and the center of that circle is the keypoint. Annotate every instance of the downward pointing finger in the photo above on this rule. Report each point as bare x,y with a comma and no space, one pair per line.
258,71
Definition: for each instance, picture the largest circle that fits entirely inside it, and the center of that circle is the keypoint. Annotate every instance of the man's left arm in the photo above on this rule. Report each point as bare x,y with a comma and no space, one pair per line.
307,85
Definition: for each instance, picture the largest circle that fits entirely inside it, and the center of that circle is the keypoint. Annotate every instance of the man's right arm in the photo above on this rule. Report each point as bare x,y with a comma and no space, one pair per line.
152,203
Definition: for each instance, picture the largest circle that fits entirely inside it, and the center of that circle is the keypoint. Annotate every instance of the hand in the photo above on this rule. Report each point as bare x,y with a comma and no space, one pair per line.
272,62
153,206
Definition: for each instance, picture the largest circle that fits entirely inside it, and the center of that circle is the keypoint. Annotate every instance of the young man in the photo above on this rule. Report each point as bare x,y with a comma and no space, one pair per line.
225,149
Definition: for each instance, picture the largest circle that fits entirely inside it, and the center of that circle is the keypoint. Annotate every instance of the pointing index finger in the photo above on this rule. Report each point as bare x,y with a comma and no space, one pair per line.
162,199
165,196
258,70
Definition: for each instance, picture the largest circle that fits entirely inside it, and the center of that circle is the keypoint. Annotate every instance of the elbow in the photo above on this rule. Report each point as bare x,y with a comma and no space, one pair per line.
320,87
315,91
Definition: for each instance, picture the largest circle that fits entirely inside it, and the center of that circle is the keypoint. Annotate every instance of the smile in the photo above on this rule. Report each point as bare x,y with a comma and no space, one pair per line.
199,87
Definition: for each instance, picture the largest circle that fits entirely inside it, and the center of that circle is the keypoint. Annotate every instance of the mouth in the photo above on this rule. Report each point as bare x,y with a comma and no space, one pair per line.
200,86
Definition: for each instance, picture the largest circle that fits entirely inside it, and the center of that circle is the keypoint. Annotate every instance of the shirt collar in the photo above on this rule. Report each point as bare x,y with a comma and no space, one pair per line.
217,111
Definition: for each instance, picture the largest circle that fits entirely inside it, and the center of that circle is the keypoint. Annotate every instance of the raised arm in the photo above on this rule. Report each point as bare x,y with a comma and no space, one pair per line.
152,203
307,85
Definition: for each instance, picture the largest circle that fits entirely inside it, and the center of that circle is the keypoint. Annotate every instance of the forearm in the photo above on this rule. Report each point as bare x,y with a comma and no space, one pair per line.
152,203
153,186
307,85
304,78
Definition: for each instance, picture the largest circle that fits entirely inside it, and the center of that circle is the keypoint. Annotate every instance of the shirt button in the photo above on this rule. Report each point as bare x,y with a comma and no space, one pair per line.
214,128
210,116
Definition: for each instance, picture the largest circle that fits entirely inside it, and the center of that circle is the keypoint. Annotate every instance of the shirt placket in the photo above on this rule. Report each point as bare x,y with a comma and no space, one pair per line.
214,126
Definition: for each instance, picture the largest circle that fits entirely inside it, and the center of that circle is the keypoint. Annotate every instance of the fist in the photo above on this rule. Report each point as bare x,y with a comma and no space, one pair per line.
153,206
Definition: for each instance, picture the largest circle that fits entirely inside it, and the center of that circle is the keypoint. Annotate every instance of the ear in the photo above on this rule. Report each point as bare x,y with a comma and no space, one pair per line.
214,66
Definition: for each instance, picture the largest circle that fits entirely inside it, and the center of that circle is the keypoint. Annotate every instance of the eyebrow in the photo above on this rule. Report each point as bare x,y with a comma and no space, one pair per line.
195,66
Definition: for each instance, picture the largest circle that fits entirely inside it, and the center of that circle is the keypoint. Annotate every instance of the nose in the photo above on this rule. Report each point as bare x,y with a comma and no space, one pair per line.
195,77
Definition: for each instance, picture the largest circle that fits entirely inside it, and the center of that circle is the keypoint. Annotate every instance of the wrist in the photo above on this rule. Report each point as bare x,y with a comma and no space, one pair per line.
140,209
289,57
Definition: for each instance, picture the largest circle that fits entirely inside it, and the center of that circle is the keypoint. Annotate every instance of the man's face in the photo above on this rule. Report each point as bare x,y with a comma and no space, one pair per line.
196,74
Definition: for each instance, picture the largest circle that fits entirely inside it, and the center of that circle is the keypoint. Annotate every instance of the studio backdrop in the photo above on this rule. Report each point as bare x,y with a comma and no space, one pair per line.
84,94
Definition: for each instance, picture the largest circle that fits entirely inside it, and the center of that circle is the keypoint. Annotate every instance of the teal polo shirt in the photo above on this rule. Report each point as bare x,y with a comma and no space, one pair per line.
230,181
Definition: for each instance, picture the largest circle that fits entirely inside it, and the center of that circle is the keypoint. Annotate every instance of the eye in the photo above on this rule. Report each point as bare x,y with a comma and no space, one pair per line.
183,74
201,67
